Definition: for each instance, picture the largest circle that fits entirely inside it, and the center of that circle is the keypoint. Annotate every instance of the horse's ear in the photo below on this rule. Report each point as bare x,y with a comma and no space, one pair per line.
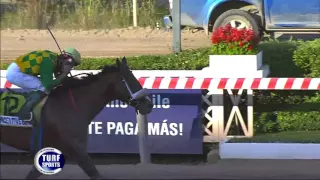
124,61
118,62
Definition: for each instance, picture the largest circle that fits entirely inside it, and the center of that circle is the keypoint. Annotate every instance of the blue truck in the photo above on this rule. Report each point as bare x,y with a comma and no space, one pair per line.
262,16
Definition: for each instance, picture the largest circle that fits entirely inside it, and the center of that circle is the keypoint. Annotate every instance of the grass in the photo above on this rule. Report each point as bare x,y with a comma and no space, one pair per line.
283,137
81,14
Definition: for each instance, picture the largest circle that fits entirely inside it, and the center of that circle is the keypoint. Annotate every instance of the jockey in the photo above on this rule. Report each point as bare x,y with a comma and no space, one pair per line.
24,70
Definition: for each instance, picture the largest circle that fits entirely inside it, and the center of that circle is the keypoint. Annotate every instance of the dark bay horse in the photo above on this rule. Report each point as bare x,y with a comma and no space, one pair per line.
71,107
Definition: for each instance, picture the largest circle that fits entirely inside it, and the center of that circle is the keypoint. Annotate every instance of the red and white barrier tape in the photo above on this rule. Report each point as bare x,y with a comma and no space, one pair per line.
224,83
232,83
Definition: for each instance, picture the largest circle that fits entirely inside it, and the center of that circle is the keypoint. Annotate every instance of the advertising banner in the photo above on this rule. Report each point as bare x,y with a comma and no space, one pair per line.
175,125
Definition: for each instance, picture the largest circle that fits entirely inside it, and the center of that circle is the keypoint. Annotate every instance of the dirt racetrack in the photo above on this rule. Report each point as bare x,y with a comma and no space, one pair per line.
95,43
224,169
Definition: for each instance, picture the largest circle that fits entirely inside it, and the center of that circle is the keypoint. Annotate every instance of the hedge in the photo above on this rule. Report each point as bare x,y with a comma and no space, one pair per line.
286,59
307,57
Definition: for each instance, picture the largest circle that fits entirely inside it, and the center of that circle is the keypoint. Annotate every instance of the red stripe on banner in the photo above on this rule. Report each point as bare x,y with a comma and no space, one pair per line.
289,83
239,83
7,84
223,82
306,83
272,83
142,80
255,84
173,83
318,86
206,83
189,83
157,82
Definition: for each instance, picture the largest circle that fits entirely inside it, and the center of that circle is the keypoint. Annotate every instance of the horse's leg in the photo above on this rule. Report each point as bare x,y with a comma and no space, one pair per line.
86,164
75,146
33,173
74,138
80,155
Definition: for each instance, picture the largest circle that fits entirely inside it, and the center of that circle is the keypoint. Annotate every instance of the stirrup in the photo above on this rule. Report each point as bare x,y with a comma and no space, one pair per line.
31,116
28,120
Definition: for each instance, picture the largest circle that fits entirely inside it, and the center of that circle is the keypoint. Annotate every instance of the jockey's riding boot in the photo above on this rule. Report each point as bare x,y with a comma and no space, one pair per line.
33,99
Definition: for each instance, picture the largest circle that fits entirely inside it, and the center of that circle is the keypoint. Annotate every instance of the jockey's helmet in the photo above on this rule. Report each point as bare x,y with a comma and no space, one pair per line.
74,53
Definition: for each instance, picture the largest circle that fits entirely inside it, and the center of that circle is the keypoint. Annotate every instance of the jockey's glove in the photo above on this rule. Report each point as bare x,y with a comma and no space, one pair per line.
62,76
67,68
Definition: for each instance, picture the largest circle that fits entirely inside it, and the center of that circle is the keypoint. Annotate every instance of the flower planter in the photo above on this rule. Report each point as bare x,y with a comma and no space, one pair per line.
233,63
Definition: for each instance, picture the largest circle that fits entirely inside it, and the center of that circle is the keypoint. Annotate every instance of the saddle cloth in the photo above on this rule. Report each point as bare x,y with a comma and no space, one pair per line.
12,103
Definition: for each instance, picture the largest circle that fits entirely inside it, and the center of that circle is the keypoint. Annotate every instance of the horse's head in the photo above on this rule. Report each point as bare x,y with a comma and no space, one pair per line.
130,91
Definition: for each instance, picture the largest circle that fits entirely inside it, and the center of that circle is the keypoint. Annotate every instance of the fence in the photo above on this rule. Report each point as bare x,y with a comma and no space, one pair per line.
214,116
215,127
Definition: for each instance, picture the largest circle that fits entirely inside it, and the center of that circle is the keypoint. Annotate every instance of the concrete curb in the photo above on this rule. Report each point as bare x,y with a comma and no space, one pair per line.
269,151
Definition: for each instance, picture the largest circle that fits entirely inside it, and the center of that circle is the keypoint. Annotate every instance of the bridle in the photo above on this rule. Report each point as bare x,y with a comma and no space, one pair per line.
135,98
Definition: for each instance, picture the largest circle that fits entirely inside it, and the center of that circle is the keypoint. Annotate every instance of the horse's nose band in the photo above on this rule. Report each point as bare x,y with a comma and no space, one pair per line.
133,102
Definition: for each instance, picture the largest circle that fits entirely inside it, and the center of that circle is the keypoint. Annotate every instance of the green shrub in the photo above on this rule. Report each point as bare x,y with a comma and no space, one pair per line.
188,60
307,57
279,56
301,121
295,112
265,122
4,66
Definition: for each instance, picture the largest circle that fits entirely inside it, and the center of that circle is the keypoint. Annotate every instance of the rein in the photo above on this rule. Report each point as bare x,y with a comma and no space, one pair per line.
80,74
71,94
73,100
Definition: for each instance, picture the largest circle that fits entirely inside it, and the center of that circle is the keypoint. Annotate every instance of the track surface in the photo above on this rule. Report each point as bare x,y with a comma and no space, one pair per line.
106,43
95,43
224,169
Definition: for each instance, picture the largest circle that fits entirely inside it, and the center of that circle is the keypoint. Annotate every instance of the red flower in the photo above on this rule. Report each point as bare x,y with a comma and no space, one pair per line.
229,39
234,37
228,27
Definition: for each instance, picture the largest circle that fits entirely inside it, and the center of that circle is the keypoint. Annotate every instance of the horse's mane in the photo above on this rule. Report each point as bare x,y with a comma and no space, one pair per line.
76,82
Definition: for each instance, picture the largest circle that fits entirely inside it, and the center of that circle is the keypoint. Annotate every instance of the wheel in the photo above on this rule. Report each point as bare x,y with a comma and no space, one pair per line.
238,19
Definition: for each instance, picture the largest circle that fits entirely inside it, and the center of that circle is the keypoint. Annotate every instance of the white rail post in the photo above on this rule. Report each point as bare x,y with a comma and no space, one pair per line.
145,157
250,112
176,20
135,16
217,119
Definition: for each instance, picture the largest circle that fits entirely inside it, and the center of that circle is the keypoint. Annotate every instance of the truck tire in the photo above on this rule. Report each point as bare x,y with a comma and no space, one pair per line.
239,18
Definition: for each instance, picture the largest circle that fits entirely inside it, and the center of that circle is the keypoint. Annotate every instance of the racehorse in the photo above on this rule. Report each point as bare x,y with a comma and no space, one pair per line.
71,107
